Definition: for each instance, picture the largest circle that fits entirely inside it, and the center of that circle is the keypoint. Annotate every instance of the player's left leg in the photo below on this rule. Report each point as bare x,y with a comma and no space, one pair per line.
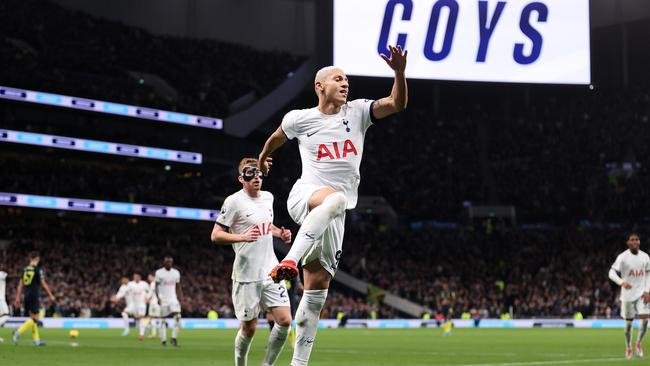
176,329
154,325
125,319
276,299
142,326
279,334
317,281
641,334
36,338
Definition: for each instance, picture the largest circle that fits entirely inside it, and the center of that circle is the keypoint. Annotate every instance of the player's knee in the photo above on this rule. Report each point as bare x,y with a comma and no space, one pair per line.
248,328
335,203
283,321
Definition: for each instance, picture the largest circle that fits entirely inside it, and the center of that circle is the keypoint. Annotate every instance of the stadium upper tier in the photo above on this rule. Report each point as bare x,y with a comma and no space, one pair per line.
72,53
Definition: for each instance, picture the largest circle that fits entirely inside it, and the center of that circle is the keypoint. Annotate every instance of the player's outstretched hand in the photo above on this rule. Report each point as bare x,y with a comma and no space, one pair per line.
252,234
285,234
17,303
626,285
265,165
397,59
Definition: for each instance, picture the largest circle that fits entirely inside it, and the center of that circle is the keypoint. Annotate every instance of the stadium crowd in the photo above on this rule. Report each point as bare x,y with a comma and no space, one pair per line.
537,273
85,257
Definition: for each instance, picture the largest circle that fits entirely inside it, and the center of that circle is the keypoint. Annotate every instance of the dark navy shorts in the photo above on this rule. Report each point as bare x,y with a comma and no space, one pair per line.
31,305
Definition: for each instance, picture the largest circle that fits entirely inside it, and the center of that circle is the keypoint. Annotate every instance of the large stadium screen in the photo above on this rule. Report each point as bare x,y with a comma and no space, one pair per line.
521,41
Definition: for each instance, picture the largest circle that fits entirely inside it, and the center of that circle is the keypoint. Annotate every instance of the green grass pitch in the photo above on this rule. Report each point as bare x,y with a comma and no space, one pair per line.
333,347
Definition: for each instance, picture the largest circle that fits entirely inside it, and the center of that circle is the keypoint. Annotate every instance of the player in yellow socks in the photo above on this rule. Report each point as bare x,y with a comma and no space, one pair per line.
31,281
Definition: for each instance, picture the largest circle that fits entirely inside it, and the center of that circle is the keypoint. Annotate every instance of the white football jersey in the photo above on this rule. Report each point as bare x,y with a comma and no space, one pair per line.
153,299
138,292
3,286
634,270
124,292
331,146
166,281
239,213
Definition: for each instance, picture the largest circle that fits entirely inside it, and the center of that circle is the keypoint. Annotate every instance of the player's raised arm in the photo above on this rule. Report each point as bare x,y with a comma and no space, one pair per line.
398,98
277,139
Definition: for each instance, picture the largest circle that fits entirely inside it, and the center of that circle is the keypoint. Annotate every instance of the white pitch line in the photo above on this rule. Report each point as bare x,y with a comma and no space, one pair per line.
556,362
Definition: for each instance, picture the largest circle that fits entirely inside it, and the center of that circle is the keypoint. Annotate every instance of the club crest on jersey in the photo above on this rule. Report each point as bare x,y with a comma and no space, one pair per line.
325,152
345,123
637,273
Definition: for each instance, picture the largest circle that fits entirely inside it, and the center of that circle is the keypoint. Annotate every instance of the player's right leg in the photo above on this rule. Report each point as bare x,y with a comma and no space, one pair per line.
628,311
243,341
246,298
154,315
316,282
125,320
164,314
325,205
4,315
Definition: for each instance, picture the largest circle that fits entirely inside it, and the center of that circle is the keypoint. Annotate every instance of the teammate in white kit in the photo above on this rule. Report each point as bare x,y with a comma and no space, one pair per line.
138,290
154,307
4,309
246,223
123,293
630,271
168,290
330,138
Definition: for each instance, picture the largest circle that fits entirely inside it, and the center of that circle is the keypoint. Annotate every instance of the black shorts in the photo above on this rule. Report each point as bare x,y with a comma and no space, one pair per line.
32,305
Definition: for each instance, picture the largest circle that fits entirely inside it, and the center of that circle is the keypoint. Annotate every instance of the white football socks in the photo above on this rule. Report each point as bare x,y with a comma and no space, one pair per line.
125,318
242,346
315,224
307,316
628,335
277,338
154,326
3,319
163,330
177,326
642,330
143,326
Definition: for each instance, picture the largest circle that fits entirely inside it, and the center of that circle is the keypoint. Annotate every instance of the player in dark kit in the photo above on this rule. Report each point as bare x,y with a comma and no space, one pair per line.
30,282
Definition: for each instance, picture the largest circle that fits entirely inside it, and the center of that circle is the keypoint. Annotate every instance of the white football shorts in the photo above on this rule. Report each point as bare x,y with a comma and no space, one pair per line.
328,248
630,309
247,297
169,308
136,310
